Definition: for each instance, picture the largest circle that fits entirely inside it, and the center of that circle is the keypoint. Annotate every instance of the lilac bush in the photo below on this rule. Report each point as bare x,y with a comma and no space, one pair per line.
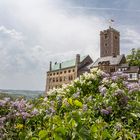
96,106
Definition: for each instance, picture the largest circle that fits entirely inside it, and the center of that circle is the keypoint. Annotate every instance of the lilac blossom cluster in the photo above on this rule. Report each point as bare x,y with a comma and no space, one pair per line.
19,108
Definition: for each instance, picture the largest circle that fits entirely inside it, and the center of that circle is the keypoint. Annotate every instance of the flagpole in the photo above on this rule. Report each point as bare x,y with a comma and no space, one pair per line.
111,21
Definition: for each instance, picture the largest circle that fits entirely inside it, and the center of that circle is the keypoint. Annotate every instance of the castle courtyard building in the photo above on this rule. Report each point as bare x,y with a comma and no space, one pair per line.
65,72
110,61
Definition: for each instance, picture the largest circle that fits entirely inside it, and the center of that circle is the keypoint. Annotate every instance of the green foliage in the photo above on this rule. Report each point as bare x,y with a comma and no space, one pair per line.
95,106
134,58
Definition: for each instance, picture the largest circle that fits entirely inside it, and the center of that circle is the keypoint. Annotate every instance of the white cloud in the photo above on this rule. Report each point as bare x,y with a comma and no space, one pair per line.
48,33
129,39
11,33
38,31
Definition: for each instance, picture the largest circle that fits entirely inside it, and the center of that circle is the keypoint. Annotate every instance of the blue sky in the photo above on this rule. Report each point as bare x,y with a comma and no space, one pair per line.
34,32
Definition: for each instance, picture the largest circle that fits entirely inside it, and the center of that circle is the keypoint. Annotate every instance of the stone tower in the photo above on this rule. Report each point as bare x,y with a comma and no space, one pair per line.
109,42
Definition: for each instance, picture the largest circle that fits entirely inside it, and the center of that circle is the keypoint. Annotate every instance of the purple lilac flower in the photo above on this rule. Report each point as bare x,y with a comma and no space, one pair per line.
117,73
50,111
2,119
123,101
47,111
109,109
134,90
20,105
118,92
105,112
25,115
2,102
115,78
18,114
125,83
132,86
76,95
34,112
102,90
124,76
7,99
105,74
106,80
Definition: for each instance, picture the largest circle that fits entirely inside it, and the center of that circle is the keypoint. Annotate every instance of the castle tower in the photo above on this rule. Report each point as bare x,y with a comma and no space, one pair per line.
109,42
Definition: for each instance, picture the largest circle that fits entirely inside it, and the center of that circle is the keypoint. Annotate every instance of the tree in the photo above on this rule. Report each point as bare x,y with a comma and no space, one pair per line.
134,58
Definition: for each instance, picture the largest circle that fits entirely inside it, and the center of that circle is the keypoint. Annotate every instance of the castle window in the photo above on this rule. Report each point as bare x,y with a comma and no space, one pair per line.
106,44
130,76
57,73
70,78
61,72
65,71
53,73
106,36
53,79
56,79
73,70
112,69
50,74
116,37
69,71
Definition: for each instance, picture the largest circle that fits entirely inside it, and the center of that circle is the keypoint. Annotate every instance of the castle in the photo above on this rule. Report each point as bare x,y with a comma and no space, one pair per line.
65,72
110,61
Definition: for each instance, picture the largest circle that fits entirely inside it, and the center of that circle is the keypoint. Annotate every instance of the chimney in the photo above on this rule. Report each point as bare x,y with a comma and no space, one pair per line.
60,65
77,59
50,65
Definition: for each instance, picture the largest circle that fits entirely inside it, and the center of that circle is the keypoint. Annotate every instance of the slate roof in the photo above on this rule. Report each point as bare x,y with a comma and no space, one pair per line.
126,65
67,64
112,60
133,69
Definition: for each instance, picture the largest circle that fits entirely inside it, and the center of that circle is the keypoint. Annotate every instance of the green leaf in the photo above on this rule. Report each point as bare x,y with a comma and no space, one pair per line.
70,101
61,130
105,134
42,134
57,137
22,135
94,129
134,115
78,103
34,138
73,123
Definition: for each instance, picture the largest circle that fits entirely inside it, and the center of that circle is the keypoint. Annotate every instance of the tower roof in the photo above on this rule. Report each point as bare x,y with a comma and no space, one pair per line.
112,60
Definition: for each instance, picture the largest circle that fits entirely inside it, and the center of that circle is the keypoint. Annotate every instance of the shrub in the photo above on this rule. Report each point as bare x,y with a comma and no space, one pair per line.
94,106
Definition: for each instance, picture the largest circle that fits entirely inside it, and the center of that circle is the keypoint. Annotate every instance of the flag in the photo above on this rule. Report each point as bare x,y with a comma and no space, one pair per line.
111,20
